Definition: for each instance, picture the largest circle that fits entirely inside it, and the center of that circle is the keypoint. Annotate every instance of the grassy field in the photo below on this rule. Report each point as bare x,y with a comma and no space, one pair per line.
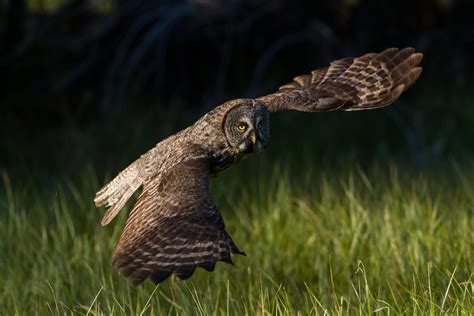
324,239
335,218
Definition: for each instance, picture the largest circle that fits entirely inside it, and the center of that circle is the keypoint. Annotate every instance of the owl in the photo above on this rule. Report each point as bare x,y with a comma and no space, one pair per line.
175,227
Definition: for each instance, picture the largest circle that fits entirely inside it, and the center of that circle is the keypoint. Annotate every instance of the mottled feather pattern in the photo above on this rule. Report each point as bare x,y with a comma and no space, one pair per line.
175,227
366,82
115,194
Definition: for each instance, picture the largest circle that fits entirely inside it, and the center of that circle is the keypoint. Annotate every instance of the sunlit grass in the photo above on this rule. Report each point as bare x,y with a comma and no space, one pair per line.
324,239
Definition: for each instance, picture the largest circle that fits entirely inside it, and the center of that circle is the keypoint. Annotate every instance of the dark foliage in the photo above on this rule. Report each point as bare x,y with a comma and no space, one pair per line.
204,51
83,62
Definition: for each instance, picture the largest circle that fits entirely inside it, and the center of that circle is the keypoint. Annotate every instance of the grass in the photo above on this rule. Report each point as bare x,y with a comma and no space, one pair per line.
331,239
344,231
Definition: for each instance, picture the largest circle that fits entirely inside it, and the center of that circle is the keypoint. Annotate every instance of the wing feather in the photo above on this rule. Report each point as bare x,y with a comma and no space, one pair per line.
174,227
116,193
366,82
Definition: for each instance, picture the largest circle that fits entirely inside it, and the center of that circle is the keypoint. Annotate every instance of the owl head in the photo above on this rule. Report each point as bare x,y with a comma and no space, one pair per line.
247,128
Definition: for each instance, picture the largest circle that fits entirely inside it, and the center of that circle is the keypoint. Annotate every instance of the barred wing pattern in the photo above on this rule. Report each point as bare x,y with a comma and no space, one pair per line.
174,227
366,82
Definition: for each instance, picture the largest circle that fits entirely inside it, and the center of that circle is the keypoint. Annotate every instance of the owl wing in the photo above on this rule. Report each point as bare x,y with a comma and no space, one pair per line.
366,82
174,227
116,193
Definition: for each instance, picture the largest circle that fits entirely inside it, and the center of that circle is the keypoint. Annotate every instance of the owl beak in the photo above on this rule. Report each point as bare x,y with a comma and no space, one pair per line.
253,137
250,147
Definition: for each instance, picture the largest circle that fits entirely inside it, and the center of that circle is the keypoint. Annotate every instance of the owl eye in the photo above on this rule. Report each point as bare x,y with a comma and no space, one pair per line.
242,126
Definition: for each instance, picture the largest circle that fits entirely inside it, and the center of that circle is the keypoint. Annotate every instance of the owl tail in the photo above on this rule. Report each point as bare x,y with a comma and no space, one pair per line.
116,193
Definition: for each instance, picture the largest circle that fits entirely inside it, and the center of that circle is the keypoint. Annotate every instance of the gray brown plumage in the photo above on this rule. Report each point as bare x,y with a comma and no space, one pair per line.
366,82
175,227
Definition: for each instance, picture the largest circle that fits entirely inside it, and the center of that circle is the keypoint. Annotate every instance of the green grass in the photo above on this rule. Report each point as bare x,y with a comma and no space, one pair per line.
334,238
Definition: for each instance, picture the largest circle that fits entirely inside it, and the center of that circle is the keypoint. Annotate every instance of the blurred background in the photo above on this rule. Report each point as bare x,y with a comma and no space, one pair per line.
97,82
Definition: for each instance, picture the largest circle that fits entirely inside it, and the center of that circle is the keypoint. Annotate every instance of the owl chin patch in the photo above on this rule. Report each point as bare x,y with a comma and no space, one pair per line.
250,149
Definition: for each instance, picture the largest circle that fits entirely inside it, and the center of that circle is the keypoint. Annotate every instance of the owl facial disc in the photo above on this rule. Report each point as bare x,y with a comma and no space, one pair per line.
246,128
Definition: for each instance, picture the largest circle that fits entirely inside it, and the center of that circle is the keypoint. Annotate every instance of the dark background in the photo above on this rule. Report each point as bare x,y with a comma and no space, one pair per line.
93,83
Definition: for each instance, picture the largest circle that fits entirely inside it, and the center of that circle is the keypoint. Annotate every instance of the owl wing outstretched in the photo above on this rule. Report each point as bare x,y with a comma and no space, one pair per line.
366,82
174,227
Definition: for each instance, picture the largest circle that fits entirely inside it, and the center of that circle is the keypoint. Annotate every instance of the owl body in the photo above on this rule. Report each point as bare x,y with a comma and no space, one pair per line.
208,134
175,227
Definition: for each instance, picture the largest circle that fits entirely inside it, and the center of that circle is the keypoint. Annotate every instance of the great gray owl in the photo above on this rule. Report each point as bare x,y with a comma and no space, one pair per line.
175,227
